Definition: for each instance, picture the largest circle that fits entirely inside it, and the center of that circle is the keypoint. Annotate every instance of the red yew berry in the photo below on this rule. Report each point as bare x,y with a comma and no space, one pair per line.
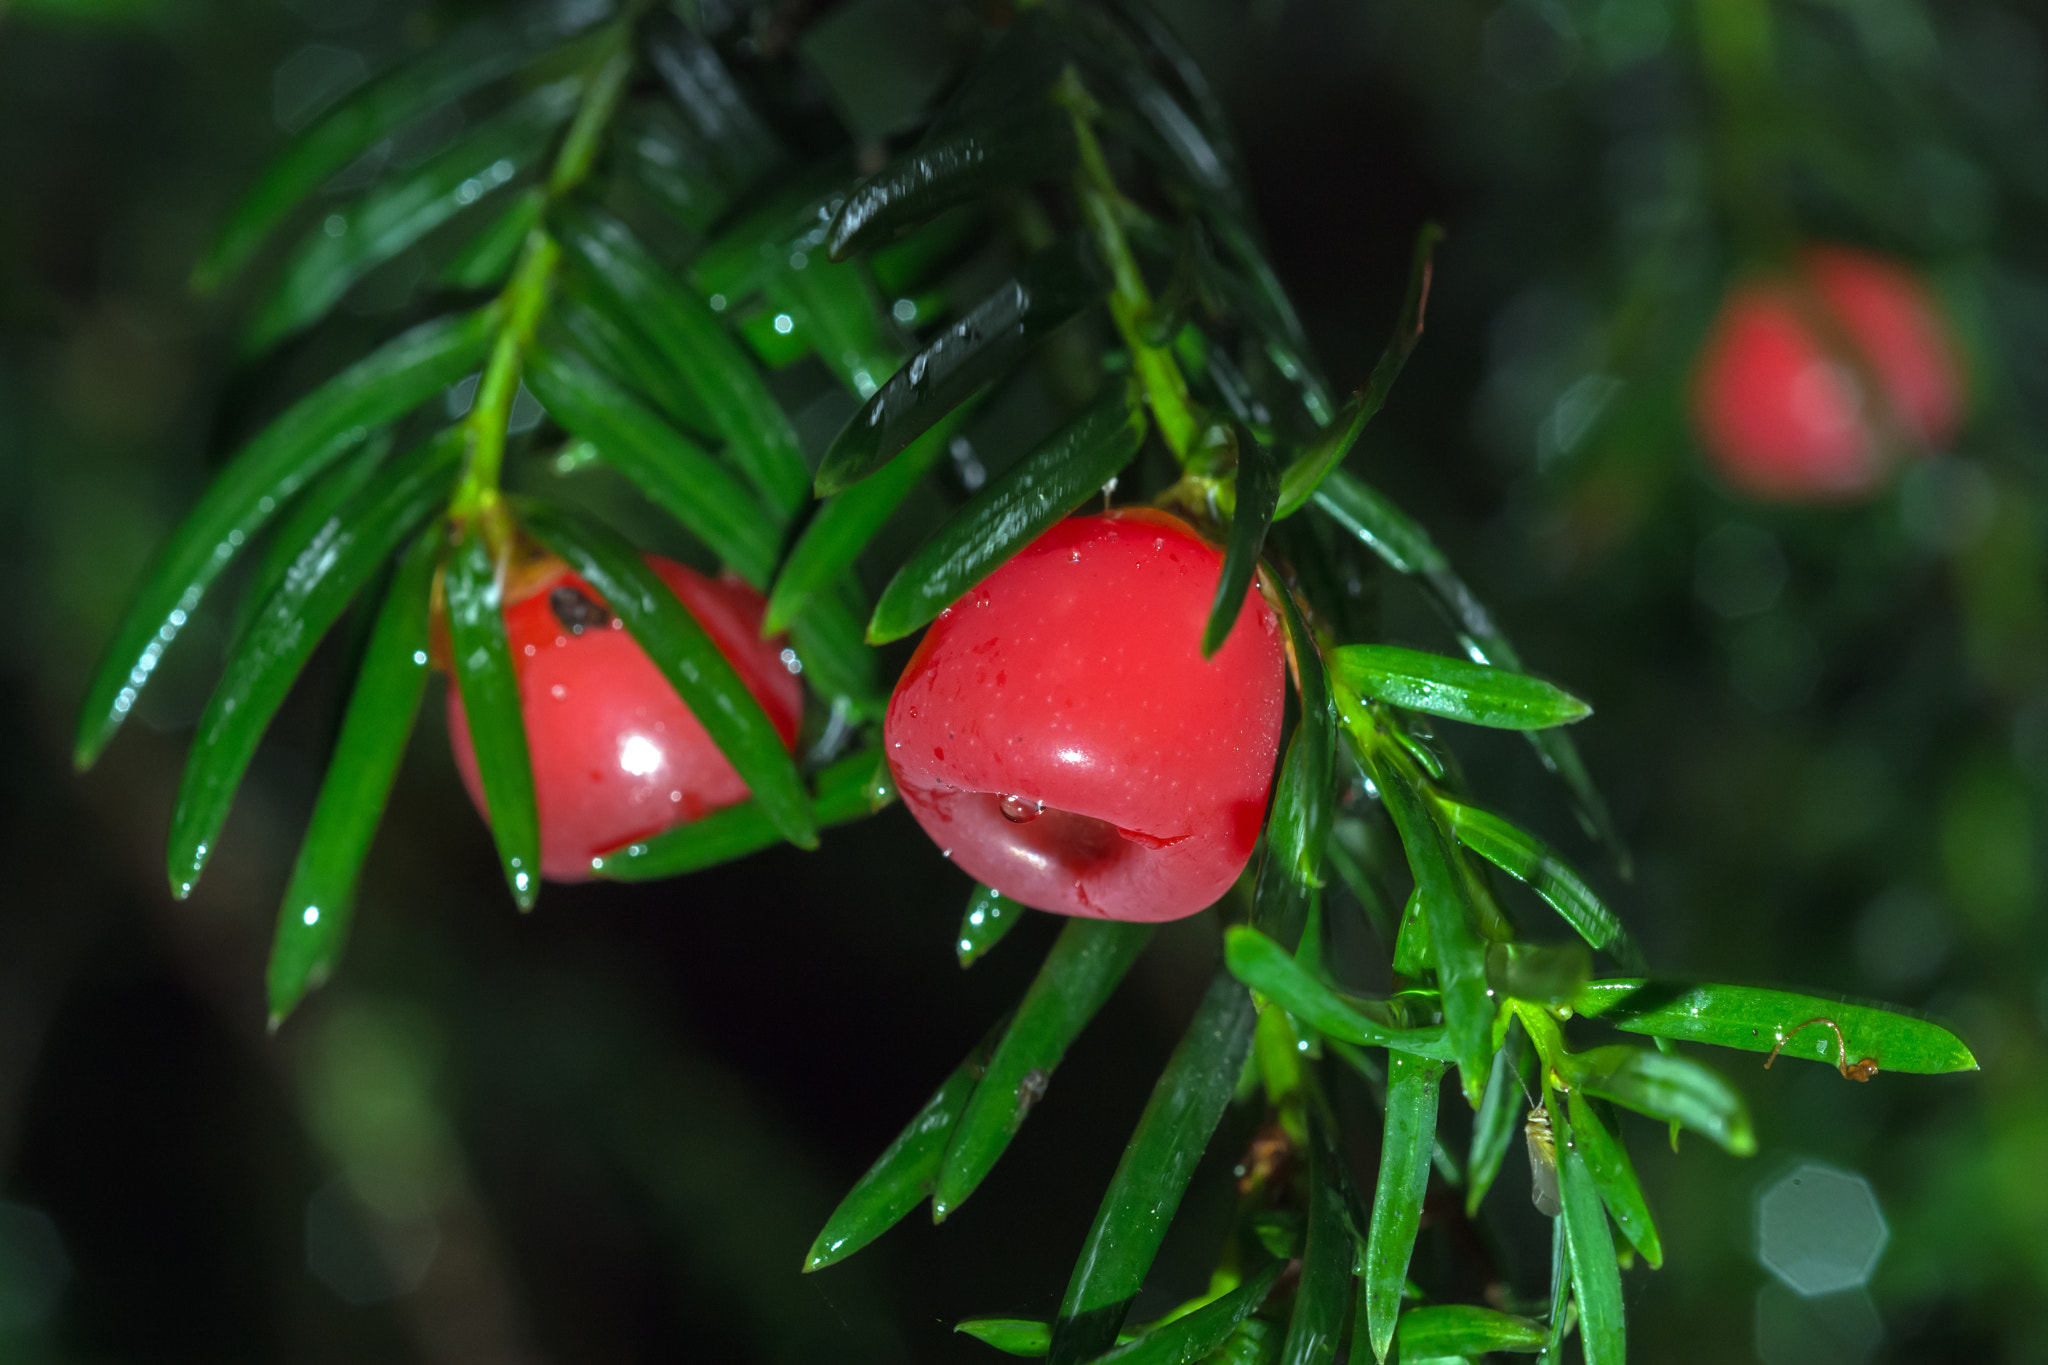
616,755
1059,734
1810,387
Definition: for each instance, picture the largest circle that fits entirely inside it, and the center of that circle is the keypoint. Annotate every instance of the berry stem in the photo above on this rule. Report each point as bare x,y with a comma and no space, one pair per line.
1130,300
484,428
525,297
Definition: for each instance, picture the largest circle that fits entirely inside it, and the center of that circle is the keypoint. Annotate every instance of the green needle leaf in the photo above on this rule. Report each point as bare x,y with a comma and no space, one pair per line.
1314,464
1186,1104
1756,1020
307,517
1323,1296
319,904
723,835
914,261
1066,470
669,162
777,253
678,477
1667,1087
488,256
720,113
617,347
1477,694
1258,484
1272,971
988,920
1397,1200
1447,911
698,349
843,527
1405,547
350,242
1614,1175
489,688
1463,1329
1052,288
1377,523
955,166
266,661
836,660
1529,860
837,311
1196,1336
834,657
902,1175
1025,1337
1548,974
686,656
1596,1276
1086,962
467,61
1298,830
294,449
1498,1121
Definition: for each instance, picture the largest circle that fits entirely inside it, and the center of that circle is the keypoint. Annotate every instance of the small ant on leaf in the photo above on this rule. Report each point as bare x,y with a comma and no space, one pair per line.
1851,1071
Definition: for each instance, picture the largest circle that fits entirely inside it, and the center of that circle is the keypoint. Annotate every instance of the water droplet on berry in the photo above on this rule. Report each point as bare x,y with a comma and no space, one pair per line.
1020,811
558,691
1074,557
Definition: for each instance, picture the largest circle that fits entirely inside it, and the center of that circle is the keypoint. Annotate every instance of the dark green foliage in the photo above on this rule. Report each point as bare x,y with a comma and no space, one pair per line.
1256,490
1596,1278
1084,966
1460,1329
1758,1020
481,662
1157,1164
902,1176
289,453
694,284
988,919
343,556
1189,1338
1068,469
1412,1085
1323,1299
994,336
313,921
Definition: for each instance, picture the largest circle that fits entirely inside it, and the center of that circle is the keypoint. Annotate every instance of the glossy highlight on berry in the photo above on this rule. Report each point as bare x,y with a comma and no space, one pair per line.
616,755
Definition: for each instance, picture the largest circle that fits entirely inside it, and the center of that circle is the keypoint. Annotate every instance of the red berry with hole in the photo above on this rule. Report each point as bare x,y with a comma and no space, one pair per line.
616,755
1810,386
1060,735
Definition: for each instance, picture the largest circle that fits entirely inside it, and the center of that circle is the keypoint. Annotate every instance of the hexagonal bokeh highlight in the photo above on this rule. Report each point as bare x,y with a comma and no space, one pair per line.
1819,1230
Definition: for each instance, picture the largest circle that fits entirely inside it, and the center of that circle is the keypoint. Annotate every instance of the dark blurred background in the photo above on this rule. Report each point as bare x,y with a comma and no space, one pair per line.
608,1130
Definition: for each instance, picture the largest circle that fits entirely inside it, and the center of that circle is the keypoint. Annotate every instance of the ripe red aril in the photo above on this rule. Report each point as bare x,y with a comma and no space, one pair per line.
1059,734
616,755
1810,386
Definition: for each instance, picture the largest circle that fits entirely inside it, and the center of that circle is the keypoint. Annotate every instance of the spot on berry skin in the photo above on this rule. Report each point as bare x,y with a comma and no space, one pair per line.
576,612
937,752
